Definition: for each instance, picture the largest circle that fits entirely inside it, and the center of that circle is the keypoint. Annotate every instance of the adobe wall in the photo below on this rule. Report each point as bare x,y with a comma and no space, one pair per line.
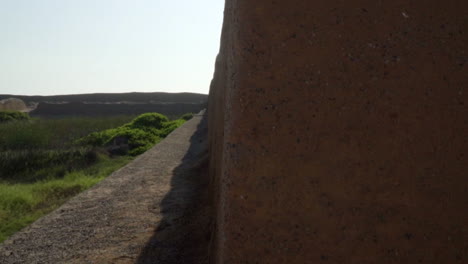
338,132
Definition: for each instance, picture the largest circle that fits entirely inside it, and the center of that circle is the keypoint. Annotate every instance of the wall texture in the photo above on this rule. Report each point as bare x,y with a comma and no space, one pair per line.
339,132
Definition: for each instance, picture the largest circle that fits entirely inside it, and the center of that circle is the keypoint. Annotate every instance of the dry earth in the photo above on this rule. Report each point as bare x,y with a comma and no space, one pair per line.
153,210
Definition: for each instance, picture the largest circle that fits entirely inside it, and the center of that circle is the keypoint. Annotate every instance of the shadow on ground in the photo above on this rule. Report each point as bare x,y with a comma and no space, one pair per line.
184,233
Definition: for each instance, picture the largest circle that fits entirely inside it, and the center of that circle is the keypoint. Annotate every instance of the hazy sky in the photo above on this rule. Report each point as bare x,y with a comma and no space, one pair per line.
86,46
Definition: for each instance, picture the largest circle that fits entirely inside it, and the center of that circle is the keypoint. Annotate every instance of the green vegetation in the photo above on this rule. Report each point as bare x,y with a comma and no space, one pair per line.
53,133
23,203
187,116
44,162
6,116
136,137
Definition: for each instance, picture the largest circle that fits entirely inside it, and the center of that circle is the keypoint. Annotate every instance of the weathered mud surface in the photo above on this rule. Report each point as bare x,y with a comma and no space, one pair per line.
338,132
147,212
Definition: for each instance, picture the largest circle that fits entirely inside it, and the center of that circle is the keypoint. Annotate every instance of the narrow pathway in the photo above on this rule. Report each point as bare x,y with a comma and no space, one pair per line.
146,212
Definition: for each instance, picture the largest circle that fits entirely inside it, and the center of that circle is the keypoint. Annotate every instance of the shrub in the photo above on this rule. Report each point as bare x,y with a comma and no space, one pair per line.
187,116
135,137
6,116
169,127
149,121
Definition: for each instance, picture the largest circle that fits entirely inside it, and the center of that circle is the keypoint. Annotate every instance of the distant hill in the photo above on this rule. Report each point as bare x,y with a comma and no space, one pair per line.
102,104
115,97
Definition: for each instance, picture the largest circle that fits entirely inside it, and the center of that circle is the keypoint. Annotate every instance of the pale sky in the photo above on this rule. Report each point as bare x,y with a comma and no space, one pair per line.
52,47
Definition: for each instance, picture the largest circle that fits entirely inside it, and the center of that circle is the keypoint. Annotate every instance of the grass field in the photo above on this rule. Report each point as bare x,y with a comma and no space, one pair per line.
23,203
53,133
45,162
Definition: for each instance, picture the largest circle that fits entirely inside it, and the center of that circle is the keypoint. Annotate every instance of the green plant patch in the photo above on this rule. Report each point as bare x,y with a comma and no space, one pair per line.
37,164
133,138
23,203
45,162
54,133
149,121
8,116
187,116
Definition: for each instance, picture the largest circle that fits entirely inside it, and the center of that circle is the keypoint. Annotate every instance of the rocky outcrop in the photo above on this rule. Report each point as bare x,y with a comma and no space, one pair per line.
12,104
338,132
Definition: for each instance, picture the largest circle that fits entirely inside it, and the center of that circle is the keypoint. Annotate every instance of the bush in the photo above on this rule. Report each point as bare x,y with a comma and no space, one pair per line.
149,121
169,127
135,137
187,116
7,116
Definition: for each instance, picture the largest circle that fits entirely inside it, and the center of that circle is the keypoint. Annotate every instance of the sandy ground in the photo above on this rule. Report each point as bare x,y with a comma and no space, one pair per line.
151,211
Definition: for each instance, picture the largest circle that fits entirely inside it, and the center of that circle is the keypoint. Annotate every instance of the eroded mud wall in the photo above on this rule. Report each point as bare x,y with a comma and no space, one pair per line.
339,132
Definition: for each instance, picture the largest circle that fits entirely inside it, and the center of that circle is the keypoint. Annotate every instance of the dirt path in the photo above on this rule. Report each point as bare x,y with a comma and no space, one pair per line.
150,211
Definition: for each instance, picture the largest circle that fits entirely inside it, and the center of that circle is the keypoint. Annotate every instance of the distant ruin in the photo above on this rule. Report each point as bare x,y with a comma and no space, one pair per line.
13,104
